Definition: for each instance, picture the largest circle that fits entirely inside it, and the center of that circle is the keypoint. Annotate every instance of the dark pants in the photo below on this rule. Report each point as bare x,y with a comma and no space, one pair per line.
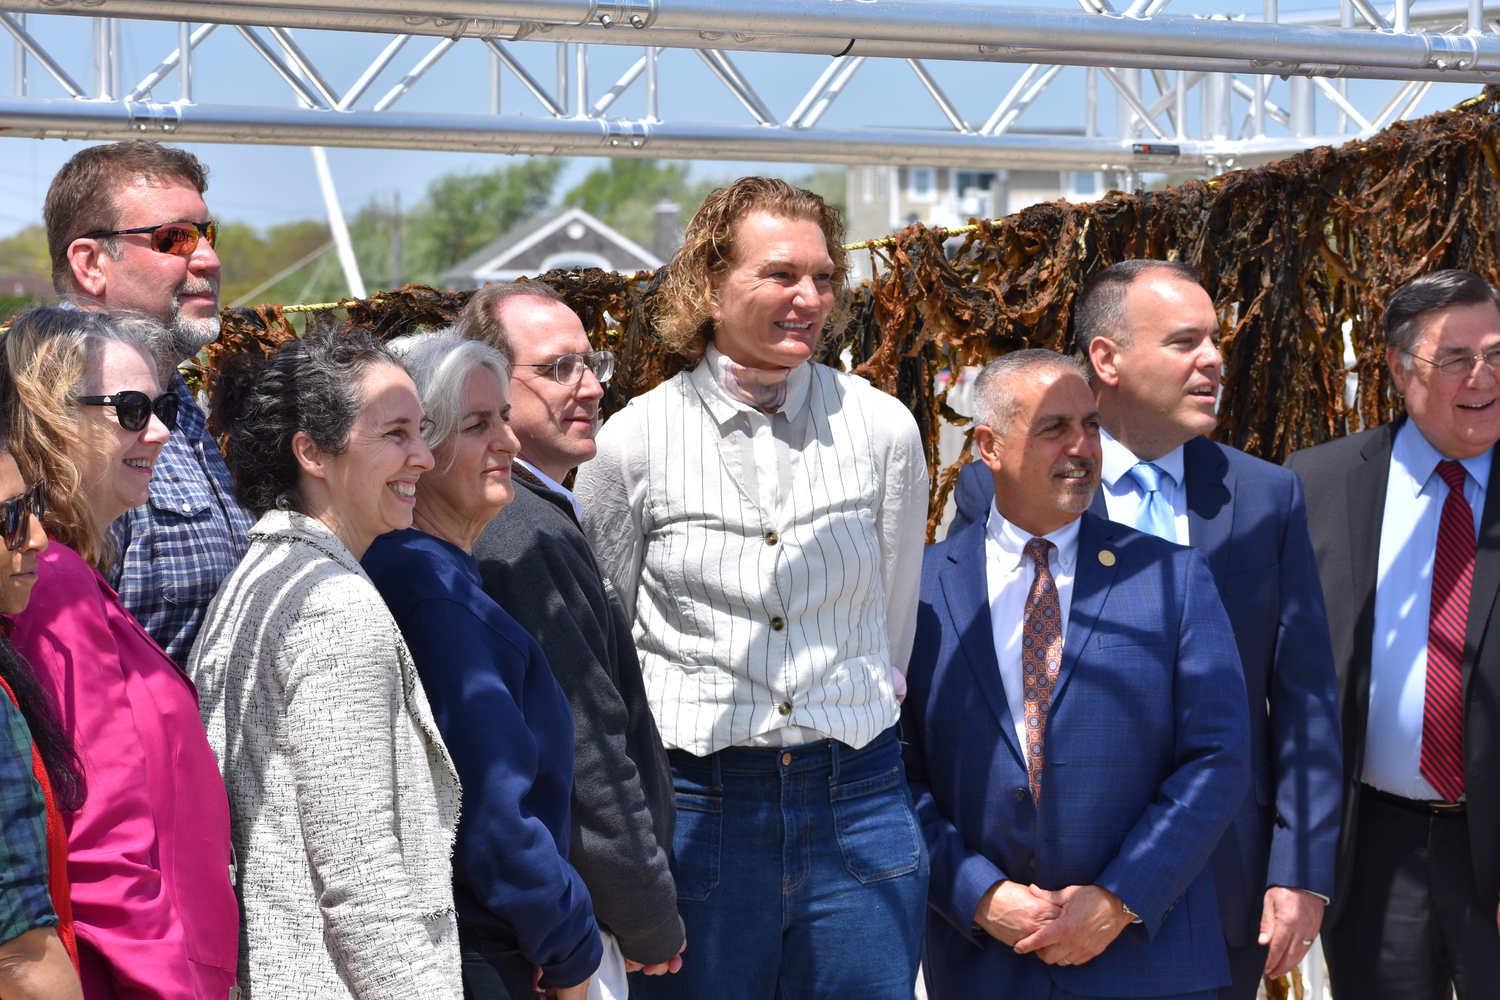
1248,967
493,967
1413,927
801,875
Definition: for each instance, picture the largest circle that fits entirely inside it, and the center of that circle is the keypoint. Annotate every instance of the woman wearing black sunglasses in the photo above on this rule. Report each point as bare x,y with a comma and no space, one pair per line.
149,851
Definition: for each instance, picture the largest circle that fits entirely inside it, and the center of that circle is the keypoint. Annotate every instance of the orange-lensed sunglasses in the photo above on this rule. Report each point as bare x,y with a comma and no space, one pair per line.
180,238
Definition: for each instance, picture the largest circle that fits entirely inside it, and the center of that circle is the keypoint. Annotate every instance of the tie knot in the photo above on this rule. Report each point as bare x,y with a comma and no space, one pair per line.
1037,549
1453,474
1149,476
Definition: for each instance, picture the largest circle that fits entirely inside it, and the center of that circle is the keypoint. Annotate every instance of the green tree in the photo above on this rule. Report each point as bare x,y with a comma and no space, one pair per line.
464,211
25,252
624,194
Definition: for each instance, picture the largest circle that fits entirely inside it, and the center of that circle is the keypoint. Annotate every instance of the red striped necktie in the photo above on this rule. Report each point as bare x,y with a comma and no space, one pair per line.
1452,575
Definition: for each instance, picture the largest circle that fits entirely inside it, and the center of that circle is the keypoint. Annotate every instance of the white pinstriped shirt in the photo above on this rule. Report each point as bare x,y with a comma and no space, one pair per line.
766,614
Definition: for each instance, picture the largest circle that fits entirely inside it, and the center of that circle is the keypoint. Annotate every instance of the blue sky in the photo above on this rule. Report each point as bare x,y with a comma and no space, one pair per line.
269,184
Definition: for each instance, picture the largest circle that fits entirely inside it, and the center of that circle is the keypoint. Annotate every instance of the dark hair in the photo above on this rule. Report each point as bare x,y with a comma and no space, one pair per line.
1099,309
83,196
993,396
1438,290
310,385
58,754
481,319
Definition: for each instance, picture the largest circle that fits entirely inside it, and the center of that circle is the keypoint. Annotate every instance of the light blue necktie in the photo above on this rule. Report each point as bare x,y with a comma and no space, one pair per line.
1154,515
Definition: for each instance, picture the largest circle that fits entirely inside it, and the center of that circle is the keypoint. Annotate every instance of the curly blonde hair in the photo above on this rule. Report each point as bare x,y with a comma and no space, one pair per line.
709,249
44,365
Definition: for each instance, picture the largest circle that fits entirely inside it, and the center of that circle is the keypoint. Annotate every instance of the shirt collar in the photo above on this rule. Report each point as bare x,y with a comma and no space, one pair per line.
1011,540
1416,456
1119,460
723,406
551,484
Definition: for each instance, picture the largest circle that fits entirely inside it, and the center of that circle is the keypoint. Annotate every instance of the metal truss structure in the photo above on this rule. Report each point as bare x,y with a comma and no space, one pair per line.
1232,63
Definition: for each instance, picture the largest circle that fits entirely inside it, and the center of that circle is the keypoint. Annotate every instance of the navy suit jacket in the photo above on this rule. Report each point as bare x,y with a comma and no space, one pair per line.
1146,745
1249,519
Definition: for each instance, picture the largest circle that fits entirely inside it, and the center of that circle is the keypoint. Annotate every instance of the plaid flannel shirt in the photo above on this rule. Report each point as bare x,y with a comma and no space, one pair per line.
25,903
178,547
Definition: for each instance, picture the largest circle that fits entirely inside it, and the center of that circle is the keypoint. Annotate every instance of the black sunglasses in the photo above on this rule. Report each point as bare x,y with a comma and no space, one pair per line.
180,238
15,525
134,408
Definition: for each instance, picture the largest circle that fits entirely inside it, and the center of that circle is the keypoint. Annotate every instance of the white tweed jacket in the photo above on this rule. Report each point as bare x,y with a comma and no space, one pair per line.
342,797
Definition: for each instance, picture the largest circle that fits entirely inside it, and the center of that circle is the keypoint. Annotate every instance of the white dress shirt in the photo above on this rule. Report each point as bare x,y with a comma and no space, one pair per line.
1414,496
1123,495
771,563
1009,571
552,484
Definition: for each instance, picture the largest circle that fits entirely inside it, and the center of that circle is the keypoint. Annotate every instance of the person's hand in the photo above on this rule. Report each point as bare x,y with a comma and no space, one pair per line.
1009,912
1288,923
579,992
1091,918
672,964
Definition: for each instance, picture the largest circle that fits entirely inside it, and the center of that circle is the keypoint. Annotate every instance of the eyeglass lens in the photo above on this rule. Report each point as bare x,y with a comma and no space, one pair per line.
134,409
181,238
1463,364
569,367
14,520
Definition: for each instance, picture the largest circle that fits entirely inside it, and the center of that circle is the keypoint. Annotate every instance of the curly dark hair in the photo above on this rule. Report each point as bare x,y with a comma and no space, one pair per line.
309,385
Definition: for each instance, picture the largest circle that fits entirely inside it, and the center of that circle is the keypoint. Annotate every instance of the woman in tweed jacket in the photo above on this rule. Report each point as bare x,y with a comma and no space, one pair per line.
343,799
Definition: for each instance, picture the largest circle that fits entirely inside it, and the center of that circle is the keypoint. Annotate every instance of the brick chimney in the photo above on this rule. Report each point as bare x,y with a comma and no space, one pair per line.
667,238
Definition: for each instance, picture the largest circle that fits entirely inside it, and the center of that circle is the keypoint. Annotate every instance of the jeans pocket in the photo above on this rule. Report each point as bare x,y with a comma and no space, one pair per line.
877,832
695,846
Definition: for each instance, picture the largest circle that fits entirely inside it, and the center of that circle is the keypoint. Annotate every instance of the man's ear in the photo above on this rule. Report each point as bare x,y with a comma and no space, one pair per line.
309,456
1104,358
1399,372
987,446
86,260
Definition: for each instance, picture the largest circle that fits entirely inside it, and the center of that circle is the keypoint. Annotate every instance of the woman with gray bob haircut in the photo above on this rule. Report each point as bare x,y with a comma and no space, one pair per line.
343,799
523,912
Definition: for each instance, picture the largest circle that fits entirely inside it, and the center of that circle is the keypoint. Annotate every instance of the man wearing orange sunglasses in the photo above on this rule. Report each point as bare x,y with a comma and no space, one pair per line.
128,230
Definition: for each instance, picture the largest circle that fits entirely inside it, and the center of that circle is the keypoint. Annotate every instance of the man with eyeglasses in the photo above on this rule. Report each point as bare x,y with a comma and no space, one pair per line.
128,232
1407,535
537,565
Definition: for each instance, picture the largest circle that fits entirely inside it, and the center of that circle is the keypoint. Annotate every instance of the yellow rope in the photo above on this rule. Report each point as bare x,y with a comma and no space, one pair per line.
884,241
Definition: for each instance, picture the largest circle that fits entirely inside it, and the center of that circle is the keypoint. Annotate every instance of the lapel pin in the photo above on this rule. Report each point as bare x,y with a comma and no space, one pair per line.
1106,557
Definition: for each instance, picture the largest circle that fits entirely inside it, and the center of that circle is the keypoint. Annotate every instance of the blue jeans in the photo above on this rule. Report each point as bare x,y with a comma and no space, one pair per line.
801,875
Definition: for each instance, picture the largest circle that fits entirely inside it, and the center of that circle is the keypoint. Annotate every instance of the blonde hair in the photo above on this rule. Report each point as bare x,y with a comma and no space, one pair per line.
44,365
710,248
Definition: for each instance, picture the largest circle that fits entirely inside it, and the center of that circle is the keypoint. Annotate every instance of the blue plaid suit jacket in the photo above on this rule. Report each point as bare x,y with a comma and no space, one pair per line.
1147,743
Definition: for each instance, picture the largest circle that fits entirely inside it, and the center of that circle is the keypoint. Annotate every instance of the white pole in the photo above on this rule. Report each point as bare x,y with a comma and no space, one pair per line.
336,224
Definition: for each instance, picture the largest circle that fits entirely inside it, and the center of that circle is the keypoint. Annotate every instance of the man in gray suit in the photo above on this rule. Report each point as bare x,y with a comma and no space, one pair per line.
536,564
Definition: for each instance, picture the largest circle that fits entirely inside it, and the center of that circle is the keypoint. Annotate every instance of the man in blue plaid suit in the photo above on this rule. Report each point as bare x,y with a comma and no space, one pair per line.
1076,726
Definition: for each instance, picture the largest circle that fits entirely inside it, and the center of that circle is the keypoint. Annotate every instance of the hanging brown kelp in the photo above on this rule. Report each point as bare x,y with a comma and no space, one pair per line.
1298,256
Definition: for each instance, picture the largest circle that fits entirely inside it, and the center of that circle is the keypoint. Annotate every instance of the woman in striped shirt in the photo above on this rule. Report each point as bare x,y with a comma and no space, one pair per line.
761,517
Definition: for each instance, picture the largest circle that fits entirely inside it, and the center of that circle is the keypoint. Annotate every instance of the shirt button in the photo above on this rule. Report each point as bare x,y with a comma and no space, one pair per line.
187,506
772,538
1033,862
777,624
785,708
1019,794
786,759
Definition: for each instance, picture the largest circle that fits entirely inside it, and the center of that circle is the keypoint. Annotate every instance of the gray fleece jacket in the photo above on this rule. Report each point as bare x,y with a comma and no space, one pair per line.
536,564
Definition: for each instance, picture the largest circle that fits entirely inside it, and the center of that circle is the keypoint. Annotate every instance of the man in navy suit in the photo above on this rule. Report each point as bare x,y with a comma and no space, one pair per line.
1076,726
1150,332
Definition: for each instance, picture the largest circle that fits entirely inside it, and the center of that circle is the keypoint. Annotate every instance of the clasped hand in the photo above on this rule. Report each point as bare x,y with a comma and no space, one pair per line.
1062,927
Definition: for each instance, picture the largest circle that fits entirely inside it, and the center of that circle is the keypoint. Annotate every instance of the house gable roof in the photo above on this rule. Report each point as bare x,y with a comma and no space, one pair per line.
571,237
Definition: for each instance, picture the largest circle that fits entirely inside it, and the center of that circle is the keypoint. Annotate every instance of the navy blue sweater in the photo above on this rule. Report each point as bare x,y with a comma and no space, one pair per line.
510,732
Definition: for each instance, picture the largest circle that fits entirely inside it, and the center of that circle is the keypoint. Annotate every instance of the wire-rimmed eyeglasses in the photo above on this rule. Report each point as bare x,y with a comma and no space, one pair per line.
1462,364
568,369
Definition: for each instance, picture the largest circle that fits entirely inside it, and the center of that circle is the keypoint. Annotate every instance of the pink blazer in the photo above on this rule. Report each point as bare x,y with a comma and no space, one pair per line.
148,854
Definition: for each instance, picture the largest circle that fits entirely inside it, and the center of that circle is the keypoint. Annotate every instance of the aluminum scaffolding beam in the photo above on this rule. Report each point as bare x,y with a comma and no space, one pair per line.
1233,63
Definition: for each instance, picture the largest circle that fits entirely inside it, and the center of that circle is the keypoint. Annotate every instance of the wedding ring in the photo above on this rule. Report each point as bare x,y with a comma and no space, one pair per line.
1307,944
1064,961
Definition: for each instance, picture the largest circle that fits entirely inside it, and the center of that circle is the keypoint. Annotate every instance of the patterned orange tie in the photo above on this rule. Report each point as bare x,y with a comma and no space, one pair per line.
1041,656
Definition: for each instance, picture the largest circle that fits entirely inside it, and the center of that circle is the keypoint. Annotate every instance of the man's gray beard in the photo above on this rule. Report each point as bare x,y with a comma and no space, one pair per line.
185,337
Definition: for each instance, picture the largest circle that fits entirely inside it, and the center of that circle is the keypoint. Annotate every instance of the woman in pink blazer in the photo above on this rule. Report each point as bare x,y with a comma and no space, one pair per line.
149,860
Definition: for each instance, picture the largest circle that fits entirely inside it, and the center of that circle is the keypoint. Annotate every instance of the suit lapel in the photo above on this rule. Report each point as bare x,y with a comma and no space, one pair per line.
1210,503
1365,502
966,590
1091,585
1486,572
